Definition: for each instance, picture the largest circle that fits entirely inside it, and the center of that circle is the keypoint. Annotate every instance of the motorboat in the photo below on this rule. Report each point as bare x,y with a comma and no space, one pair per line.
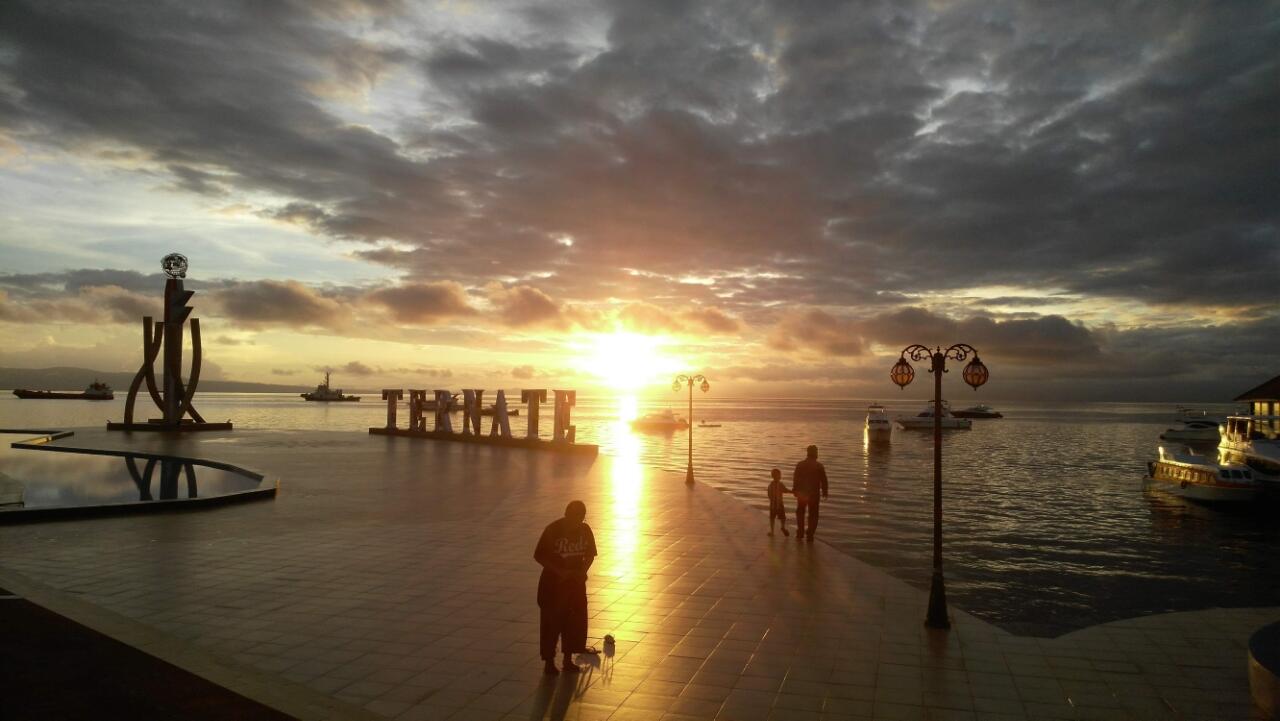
703,424
94,392
924,420
325,394
879,427
1182,473
490,410
1194,431
660,421
1253,441
981,410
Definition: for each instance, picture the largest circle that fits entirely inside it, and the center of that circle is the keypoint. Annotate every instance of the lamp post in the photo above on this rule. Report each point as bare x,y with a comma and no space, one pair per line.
975,374
689,380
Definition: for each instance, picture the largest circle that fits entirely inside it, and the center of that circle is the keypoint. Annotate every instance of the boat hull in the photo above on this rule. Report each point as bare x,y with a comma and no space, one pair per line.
1202,492
926,424
977,414
348,399
879,435
55,396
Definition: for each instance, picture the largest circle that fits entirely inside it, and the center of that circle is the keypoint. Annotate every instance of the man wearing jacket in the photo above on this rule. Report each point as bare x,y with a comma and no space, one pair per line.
809,479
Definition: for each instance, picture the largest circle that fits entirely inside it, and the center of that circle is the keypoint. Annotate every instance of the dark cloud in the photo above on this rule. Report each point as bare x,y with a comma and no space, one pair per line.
421,303
284,371
525,305
273,302
524,372
817,331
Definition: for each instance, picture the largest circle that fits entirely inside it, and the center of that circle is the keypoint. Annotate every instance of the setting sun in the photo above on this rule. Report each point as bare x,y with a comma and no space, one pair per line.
626,361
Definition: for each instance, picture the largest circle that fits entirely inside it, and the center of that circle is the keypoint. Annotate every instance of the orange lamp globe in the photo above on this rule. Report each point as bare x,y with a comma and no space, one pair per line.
975,374
705,386
902,373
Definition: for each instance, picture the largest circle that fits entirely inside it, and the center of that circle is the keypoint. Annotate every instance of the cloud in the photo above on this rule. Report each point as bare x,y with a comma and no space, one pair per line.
524,372
524,305
817,331
284,371
273,302
423,303
713,320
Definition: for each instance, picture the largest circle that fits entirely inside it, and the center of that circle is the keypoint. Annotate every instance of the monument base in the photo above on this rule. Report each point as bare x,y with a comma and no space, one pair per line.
535,444
186,426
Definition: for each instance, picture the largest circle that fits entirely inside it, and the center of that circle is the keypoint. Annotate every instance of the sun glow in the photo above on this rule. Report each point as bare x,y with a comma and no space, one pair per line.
627,361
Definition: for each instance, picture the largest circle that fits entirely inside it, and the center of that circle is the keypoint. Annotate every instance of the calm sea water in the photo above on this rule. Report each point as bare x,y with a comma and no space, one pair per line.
1048,527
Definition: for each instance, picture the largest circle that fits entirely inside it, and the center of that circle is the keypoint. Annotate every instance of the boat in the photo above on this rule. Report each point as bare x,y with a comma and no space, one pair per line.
1206,430
324,394
1253,441
981,410
703,424
489,410
924,420
1182,473
879,429
94,392
661,421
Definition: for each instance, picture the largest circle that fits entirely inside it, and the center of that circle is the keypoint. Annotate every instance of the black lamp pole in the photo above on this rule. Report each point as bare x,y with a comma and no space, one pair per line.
975,374
689,380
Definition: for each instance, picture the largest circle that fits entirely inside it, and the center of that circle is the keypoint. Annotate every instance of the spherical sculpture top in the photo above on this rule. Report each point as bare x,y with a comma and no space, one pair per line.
175,265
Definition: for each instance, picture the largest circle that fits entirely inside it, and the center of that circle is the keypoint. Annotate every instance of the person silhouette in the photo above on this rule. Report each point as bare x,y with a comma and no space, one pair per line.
809,478
565,550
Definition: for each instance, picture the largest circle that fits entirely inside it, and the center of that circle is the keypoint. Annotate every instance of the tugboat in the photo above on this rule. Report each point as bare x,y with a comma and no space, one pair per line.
95,392
323,393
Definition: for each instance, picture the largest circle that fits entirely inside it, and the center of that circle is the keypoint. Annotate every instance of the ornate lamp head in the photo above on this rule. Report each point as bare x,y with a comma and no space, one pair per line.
705,385
675,385
175,265
975,374
902,373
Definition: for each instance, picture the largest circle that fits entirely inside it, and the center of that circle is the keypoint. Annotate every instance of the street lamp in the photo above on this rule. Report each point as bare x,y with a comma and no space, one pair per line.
681,380
975,374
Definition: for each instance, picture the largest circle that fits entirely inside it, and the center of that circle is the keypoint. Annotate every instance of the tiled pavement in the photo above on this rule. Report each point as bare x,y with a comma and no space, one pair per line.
394,578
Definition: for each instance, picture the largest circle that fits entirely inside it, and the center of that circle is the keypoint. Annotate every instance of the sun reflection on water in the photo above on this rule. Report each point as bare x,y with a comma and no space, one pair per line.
626,485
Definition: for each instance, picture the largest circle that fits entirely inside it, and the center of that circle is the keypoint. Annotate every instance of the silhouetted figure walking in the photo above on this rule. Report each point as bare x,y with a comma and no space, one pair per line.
776,508
565,550
809,478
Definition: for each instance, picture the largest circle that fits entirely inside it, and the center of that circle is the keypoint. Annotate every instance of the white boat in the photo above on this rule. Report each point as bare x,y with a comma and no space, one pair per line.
879,428
924,420
660,421
982,410
1253,441
1197,478
1205,430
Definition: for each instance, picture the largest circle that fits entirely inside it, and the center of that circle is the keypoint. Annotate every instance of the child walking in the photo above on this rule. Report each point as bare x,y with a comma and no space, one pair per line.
776,507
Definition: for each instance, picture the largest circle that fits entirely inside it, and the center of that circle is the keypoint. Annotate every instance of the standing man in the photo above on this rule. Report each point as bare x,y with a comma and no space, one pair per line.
565,551
809,478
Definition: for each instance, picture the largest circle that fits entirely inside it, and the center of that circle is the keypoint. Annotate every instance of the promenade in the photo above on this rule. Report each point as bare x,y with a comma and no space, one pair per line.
393,578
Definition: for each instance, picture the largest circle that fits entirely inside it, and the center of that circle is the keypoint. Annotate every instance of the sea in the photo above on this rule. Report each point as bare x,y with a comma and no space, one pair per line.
1048,527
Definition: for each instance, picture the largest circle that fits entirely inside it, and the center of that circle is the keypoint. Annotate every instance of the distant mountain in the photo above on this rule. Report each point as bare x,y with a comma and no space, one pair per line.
75,379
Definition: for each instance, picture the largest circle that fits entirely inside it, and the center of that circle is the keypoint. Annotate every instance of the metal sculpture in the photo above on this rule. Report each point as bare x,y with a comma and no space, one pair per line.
175,400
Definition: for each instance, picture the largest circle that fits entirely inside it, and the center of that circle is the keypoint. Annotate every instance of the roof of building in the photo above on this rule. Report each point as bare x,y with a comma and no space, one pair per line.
1268,391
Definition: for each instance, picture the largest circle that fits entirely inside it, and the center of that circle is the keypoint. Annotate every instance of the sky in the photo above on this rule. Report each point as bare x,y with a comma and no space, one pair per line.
599,195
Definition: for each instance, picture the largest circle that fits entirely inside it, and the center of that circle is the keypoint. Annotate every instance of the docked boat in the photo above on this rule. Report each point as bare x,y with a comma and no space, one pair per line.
879,427
703,424
94,392
325,394
1198,478
979,411
924,420
1206,430
489,410
661,421
1253,441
